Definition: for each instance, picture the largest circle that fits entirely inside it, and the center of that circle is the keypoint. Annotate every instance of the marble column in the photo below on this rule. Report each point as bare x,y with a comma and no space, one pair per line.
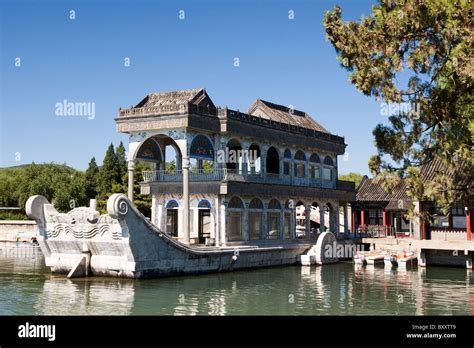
282,222
223,226
322,211
265,233
217,221
307,211
245,222
185,167
346,220
336,221
131,171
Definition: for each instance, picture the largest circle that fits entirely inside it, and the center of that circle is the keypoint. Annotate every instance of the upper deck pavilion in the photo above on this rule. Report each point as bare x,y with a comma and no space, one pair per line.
194,109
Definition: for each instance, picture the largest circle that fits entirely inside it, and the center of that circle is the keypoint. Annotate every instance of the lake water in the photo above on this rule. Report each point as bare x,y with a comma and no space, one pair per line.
28,288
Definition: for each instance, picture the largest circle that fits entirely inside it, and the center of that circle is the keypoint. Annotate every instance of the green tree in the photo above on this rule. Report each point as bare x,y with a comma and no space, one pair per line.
60,184
121,169
207,166
141,201
69,191
429,44
354,177
9,186
171,166
108,174
92,179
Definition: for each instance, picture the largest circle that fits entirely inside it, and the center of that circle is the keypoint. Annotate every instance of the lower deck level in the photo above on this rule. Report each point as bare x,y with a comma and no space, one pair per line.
232,220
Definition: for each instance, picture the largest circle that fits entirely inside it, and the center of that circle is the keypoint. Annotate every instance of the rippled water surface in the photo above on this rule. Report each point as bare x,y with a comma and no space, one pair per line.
27,287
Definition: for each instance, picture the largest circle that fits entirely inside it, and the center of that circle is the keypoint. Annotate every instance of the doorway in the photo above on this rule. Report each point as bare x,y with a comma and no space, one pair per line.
172,222
204,225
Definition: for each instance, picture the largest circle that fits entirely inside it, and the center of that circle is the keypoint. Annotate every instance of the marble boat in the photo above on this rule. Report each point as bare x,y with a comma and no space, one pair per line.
123,243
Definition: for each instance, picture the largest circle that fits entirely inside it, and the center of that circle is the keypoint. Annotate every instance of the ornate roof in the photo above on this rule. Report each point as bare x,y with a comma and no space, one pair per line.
284,114
193,96
193,103
370,190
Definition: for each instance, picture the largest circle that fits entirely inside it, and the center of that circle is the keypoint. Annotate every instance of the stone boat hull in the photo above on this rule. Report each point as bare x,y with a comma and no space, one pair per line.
123,243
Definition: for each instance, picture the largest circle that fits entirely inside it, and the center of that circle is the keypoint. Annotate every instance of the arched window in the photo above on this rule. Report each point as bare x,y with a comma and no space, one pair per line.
235,203
327,169
149,151
204,204
256,203
328,161
273,219
255,219
287,162
300,164
233,157
300,156
172,218
201,154
314,158
172,204
273,161
201,148
234,221
287,219
314,165
274,204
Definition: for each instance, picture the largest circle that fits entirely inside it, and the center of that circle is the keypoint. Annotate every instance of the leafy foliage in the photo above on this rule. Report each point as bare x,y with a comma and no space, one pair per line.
108,173
68,188
430,45
92,179
60,184
354,177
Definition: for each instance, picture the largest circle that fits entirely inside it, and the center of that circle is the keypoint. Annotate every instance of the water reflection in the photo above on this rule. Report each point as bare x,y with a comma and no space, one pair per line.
61,296
27,287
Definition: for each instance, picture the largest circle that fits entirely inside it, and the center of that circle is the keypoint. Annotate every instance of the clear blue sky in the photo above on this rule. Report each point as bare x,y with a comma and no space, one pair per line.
285,61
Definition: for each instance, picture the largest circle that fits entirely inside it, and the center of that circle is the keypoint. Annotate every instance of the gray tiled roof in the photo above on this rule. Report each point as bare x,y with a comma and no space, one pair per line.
171,98
370,190
261,108
284,114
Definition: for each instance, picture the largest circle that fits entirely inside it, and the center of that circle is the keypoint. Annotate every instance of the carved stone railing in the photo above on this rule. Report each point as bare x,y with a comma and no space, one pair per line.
374,231
184,108
217,174
233,114
224,174
440,233
154,110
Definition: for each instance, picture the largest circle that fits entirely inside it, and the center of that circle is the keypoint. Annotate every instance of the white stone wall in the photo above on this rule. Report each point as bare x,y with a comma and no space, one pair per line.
11,229
159,212
448,234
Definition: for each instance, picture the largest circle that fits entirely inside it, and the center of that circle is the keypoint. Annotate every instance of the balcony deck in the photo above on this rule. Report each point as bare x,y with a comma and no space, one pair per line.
227,175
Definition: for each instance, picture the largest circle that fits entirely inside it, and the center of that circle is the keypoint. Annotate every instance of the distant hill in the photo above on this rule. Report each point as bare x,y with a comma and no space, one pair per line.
38,164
